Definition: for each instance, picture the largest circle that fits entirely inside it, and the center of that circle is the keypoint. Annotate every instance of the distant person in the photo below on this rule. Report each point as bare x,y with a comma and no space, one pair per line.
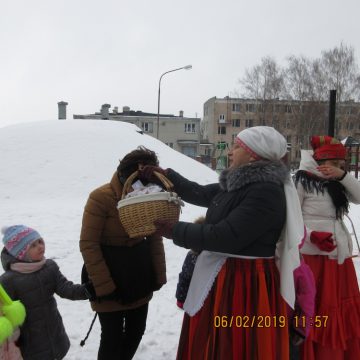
124,271
325,190
33,279
236,284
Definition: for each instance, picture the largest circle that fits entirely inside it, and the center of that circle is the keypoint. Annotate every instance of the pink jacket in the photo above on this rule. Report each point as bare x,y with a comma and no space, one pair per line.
305,298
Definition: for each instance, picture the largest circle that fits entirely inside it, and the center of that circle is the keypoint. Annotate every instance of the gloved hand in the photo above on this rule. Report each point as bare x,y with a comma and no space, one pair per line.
90,291
323,240
147,173
164,228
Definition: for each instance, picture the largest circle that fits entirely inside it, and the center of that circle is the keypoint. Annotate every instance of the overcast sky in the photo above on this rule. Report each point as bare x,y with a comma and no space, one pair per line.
90,52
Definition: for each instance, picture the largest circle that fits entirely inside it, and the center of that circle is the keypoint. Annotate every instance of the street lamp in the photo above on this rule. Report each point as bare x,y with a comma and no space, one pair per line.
187,67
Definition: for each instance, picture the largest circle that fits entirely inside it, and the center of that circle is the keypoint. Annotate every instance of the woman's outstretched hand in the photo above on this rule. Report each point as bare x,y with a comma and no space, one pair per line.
147,173
164,228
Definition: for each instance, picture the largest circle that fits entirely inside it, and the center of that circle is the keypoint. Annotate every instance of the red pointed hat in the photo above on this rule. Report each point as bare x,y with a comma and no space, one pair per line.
327,147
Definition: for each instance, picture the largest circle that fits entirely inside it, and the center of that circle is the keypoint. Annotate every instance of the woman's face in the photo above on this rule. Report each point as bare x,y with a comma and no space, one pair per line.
239,156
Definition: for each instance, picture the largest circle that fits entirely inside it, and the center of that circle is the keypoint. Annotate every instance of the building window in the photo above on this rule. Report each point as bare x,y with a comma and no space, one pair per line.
236,123
222,118
278,108
249,123
170,144
147,127
233,136
190,128
205,110
288,139
287,124
236,107
189,151
351,126
250,108
288,109
222,130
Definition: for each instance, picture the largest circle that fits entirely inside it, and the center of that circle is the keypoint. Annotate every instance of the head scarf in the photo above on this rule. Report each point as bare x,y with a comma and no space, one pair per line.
264,141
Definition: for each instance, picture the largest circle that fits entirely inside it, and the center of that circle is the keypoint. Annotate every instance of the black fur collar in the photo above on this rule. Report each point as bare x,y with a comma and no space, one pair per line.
336,190
258,171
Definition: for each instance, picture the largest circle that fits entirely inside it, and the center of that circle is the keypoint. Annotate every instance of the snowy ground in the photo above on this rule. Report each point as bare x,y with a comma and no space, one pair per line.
48,170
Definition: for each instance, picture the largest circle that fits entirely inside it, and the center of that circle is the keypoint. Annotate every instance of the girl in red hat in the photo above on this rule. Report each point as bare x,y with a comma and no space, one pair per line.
325,190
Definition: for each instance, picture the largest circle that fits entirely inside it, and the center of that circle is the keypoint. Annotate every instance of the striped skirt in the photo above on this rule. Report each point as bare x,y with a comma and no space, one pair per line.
337,302
243,316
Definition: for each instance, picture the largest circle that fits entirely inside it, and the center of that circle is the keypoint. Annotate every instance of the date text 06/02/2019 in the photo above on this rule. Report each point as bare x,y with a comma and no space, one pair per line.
268,321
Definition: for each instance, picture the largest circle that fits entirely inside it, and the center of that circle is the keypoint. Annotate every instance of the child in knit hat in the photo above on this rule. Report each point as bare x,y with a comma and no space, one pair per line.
33,279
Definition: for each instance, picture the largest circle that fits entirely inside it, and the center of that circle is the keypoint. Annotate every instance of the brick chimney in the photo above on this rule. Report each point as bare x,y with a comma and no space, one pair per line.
105,111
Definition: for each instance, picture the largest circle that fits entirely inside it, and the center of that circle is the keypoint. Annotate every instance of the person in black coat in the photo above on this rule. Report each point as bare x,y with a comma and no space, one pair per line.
236,278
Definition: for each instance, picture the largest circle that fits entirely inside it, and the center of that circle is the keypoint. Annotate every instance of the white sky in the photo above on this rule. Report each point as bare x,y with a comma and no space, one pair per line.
90,52
49,171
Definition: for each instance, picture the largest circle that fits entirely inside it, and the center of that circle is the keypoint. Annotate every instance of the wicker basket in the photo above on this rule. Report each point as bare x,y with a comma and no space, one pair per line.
137,214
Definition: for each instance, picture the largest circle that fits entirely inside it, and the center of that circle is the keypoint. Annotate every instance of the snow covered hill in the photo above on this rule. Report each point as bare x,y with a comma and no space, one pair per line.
47,171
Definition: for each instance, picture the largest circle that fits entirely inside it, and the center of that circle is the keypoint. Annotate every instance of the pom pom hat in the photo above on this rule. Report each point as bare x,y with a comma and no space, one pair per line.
18,238
327,147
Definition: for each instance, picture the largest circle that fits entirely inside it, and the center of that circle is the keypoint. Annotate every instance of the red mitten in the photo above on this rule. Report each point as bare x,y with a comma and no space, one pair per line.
323,240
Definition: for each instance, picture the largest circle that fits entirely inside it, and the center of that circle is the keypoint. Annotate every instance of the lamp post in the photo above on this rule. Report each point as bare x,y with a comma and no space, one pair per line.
187,67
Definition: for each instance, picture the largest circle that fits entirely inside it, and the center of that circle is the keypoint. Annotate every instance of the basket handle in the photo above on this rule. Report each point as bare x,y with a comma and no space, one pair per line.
166,182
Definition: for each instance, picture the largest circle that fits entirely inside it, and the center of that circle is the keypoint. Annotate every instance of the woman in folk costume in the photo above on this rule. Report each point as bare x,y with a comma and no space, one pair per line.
236,283
325,190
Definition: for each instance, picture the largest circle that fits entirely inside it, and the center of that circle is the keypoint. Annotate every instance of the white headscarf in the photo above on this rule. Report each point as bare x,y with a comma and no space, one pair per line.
264,141
269,144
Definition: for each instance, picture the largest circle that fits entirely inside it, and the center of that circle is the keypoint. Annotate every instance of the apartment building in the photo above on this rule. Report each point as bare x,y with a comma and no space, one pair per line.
178,132
297,121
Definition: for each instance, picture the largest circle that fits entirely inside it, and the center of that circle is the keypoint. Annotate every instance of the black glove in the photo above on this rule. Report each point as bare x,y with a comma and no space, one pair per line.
147,174
90,291
164,228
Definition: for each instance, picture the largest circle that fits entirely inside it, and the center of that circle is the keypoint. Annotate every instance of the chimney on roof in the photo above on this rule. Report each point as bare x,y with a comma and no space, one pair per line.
126,109
181,113
62,110
105,111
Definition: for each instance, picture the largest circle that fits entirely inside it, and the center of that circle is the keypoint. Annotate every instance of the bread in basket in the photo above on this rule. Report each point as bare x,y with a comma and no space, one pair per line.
137,214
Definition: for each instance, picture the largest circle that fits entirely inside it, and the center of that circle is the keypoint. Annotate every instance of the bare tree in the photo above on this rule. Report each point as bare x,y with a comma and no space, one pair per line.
264,81
341,72
298,80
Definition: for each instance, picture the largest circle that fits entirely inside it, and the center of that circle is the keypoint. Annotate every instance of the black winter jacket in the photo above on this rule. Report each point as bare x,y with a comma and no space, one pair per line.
42,336
246,210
